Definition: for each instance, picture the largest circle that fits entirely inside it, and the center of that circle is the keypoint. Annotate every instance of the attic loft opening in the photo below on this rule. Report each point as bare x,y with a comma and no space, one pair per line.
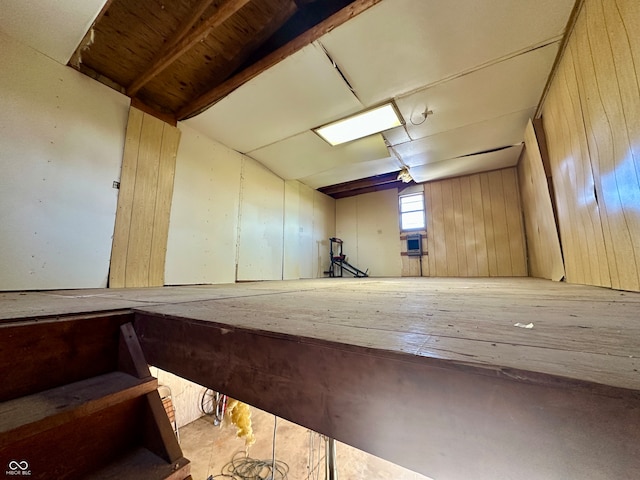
360,125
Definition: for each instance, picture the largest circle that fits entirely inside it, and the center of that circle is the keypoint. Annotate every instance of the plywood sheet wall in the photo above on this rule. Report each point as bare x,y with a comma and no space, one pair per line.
308,223
292,244
368,224
203,228
592,123
324,226
261,223
474,226
543,243
144,202
61,140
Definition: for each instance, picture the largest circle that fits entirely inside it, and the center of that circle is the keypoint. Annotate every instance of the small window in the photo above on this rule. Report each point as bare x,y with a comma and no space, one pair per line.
412,211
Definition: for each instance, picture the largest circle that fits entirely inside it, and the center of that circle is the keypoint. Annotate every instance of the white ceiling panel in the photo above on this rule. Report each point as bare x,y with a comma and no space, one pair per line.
306,154
509,86
467,165
52,27
396,135
301,92
419,42
355,171
494,133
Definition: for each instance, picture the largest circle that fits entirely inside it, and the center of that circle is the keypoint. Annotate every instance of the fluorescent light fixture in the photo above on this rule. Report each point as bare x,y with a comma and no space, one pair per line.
363,124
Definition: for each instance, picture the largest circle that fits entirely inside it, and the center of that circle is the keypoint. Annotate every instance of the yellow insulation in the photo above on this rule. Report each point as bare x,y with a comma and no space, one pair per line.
240,416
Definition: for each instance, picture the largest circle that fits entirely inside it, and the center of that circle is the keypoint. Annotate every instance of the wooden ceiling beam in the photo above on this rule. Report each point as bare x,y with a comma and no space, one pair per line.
184,28
212,96
182,40
368,182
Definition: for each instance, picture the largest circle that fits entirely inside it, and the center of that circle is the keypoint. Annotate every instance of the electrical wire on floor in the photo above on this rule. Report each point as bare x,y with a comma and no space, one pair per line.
242,467
315,460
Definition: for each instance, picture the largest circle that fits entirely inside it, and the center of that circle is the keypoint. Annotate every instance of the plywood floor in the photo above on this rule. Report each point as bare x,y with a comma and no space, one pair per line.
431,374
579,332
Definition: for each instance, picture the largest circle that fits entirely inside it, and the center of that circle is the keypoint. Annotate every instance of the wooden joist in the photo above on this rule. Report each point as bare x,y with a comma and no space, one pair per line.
184,40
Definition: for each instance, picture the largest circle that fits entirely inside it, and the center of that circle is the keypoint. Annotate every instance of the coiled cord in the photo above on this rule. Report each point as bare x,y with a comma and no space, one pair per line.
242,467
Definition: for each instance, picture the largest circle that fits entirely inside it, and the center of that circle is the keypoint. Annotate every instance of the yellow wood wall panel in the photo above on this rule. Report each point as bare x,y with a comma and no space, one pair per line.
489,233
499,219
458,216
469,228
428,201
480,237
450,229
513,212
144,202
592,121
164,194
437,231
588,211
544,252
120,243
475,226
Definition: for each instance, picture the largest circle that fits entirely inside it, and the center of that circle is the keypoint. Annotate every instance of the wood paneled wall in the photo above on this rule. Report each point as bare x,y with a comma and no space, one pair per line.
474,226
144,202
543,243
592,123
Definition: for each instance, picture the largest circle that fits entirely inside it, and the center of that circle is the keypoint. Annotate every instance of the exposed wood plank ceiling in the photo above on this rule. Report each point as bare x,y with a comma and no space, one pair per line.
179,57
274,69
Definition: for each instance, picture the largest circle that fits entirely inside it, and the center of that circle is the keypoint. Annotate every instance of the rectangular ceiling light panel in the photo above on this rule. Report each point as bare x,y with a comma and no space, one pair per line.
363,124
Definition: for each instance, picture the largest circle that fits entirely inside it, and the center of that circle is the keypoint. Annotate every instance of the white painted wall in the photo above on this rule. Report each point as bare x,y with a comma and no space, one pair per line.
261,232
61,142
227,208
292,231
309,222
203,227
307,229
347,228
368,224
324,226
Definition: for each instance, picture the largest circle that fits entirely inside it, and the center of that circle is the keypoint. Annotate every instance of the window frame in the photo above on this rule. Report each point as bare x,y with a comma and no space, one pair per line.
423,210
